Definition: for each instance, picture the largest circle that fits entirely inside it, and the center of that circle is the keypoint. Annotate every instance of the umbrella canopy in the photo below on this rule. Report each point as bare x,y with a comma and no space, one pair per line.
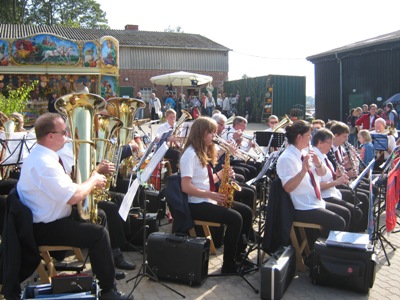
394,99
181,79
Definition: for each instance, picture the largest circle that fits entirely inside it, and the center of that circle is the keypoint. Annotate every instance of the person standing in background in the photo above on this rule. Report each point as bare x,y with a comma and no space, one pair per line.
50,105
219,102
154,107
356,113
210,104
139,112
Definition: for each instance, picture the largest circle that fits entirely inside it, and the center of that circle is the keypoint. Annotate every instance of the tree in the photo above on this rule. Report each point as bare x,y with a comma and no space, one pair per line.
16,100
69,13
177,29
13,11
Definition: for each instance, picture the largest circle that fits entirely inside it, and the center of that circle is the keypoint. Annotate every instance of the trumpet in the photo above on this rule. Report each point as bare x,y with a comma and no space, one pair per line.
238,154
257,149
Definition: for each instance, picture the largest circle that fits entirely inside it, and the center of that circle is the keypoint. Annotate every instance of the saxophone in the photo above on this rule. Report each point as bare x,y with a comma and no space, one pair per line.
227,186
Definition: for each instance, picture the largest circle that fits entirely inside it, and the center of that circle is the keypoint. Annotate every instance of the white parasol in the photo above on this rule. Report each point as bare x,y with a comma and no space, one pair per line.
181,79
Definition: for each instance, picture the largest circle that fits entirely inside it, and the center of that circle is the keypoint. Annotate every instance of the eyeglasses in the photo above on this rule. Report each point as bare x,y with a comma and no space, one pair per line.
273,122
221,124
64,132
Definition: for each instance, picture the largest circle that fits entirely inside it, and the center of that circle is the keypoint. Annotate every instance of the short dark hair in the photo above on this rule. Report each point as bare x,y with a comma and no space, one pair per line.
340,128
45,124
298,127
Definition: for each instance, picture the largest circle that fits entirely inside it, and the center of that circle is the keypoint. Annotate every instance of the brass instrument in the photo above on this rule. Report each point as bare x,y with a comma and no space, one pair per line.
230,120
390,130
283,123
105,128
239,154
184,117
227,186
79,108
257,149
125,110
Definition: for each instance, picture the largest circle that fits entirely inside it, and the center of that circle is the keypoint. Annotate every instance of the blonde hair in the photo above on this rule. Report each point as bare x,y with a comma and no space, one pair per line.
365,135
199,129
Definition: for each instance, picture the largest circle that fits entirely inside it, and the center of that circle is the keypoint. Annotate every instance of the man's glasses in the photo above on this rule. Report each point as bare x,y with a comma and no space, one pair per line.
273,122
64,132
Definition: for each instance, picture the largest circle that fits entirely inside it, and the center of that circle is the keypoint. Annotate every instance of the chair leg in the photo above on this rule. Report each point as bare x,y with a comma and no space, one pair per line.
207,233
300,266
44,277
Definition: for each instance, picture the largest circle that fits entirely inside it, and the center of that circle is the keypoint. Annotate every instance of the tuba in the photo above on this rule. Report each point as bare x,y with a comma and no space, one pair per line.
105,128
79,108
125,110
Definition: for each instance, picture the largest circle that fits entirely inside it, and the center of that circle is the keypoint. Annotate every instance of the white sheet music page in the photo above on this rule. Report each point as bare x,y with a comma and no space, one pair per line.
128,199
157,157
348,239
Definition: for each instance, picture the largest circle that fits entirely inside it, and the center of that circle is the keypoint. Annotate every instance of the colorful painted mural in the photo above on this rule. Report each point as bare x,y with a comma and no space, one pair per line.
90,55
109,53
45,49
4,53
109,87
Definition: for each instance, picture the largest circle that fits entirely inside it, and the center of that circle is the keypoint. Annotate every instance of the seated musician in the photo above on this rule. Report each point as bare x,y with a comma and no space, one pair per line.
115,223
172,153
248,193
205,203
50,194
380,128
322,141
300,173
235,134
340,158
272,121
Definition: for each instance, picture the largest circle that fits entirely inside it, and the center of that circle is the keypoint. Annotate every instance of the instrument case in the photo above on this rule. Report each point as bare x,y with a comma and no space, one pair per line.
177,257
135,237
343,267
277,273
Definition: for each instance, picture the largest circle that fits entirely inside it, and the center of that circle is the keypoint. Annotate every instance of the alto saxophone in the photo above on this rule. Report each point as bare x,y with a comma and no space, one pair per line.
227,186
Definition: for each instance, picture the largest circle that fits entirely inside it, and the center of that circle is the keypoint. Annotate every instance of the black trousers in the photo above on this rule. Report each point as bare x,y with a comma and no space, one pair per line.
153,114
72,231
333,217
356,213
237,219
114,223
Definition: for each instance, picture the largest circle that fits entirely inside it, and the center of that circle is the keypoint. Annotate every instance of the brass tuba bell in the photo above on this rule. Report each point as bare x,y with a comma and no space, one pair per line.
79,108
283,123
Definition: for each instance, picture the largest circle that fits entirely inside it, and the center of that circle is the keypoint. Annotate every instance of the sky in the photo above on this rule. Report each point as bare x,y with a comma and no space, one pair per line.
266,37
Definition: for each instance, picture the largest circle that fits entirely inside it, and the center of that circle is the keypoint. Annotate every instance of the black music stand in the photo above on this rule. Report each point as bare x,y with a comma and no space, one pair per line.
269,138
380,142
145,270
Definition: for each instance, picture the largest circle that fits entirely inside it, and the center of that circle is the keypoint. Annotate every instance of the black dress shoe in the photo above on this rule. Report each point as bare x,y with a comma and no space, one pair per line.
119,275
114,294
121,263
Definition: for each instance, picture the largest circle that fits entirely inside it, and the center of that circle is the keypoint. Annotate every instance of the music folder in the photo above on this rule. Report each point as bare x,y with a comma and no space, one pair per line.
263,138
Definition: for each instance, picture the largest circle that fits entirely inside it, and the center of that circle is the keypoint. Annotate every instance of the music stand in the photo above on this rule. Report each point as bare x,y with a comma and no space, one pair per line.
269,138
380,142
141,179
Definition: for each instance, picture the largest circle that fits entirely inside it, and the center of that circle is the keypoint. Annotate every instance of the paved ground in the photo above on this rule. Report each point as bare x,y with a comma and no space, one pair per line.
387,282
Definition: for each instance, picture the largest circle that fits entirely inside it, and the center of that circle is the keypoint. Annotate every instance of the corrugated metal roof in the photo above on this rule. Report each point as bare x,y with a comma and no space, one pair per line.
381,39
132,38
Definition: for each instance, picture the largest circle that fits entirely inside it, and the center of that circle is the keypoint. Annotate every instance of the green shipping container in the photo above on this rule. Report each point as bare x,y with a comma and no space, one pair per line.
272,94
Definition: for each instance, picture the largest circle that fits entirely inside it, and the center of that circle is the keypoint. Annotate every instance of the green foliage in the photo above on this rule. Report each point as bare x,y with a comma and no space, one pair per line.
68,13
16,100
177,29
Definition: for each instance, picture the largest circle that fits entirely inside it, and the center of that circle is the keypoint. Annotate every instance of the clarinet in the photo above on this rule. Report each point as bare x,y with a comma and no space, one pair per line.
350,156
338,166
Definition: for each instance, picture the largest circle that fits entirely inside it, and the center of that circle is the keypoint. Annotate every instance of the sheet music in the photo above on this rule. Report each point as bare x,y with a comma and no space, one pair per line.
356,181
157,157
348,240
128,199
